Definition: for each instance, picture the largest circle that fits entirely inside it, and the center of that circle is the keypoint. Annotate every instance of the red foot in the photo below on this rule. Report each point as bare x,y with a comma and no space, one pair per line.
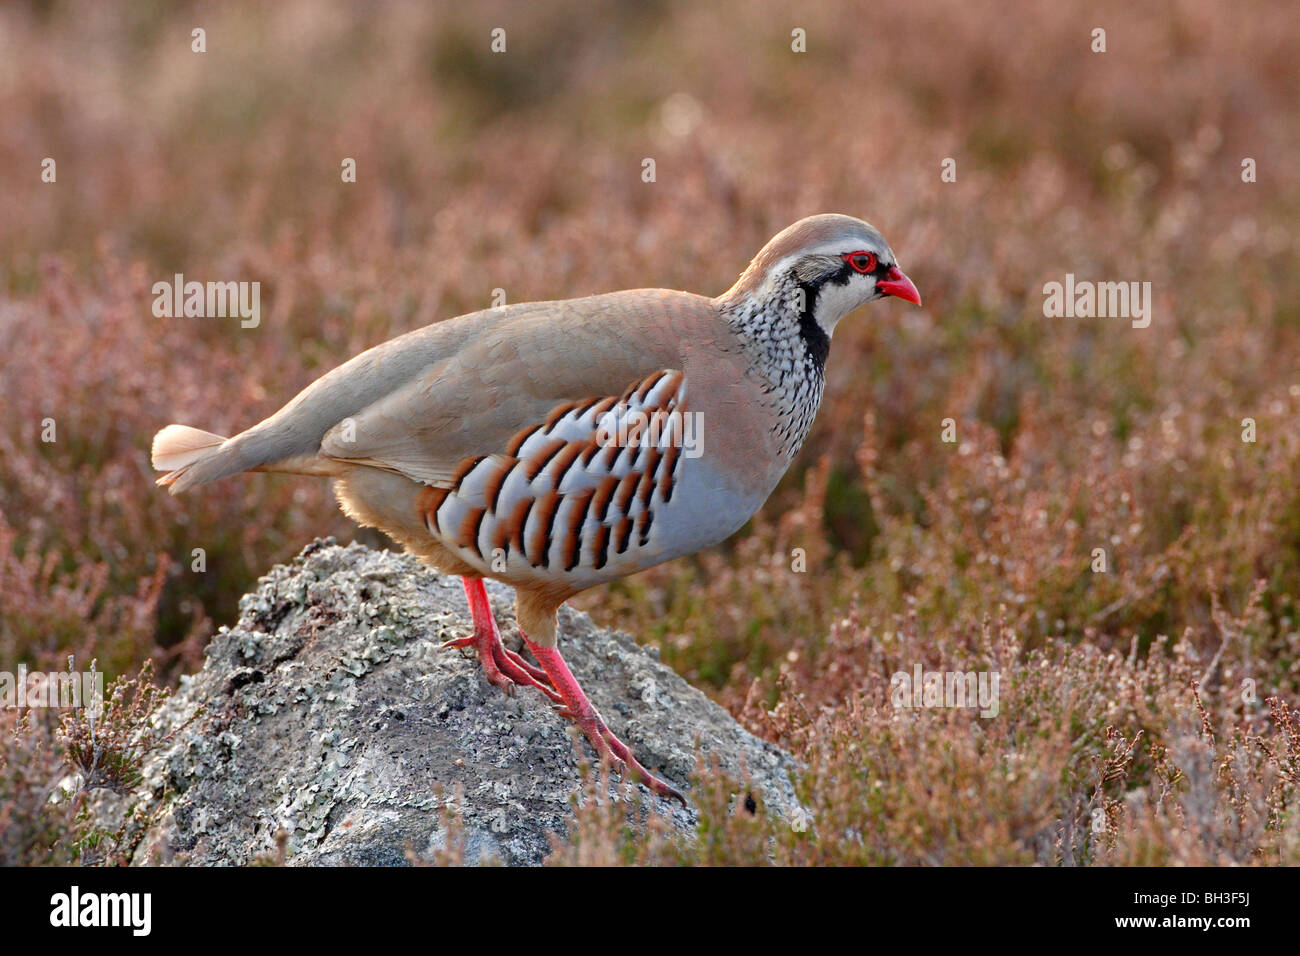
580,711
502,666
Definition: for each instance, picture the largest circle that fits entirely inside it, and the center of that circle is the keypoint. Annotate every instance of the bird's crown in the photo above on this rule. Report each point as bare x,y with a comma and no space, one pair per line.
829,234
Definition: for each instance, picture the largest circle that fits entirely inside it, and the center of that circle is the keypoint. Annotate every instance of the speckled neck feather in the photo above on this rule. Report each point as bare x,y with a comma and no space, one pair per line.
787,350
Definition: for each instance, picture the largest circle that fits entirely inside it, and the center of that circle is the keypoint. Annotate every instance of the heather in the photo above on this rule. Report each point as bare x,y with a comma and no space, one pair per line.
1147,711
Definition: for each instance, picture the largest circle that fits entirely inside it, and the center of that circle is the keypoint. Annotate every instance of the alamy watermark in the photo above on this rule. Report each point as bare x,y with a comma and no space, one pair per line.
1083,299
922,688
634,428
66,689
210,300
75,908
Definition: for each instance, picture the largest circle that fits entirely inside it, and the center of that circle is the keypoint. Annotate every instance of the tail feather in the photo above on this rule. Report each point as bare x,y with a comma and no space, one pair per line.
178,447
191,456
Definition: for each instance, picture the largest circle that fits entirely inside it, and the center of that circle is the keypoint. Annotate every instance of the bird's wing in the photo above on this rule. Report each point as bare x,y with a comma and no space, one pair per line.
553,375
422,403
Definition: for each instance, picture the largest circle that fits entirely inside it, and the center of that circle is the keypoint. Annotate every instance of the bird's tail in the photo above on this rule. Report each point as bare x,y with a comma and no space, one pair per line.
178,448
191,456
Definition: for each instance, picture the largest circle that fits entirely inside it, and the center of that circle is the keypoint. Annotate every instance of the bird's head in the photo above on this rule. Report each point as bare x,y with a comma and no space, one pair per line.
828,265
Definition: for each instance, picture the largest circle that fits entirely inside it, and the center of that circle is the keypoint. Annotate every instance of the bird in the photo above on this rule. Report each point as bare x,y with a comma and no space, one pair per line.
561,445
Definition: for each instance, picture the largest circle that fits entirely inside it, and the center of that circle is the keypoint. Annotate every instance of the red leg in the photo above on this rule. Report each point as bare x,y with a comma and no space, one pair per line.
502,666
579,709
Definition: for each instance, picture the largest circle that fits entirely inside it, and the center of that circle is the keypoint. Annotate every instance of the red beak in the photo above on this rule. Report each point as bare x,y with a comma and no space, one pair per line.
895,283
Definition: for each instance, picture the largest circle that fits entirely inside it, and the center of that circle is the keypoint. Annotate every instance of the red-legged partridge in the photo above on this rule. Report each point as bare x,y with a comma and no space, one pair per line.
560,445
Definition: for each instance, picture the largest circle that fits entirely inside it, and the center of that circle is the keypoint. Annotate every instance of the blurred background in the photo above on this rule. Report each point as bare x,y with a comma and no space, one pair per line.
522,171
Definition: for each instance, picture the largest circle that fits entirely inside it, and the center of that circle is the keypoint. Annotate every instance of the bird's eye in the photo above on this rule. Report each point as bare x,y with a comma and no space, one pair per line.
863,262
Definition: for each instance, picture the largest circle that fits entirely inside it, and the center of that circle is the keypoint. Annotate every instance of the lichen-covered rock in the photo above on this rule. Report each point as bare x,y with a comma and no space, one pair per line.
329,720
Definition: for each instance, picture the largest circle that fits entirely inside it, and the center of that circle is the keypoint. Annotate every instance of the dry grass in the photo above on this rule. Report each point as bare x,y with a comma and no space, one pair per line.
522,172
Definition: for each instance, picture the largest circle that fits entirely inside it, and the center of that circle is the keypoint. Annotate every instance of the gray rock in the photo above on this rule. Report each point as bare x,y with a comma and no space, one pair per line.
329,716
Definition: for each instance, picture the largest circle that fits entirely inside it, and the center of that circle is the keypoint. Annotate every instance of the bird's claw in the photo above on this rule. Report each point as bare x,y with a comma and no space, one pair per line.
501,666
620,756
576,707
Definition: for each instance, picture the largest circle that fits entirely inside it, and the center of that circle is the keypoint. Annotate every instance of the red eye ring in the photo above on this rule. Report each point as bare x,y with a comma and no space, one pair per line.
861,261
